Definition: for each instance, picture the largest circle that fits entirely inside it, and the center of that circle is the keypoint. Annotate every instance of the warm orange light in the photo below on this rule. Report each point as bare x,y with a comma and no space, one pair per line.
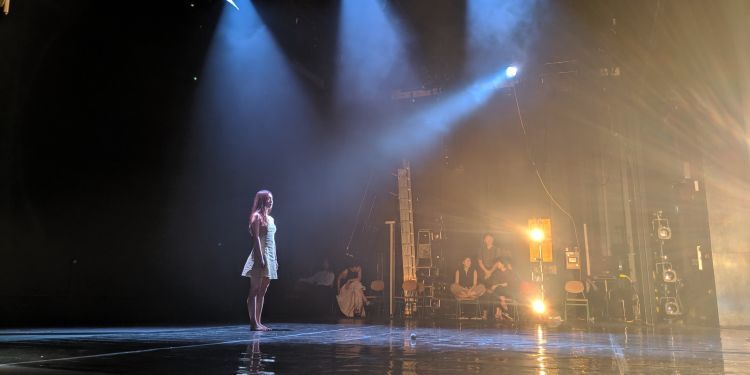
537,235
538,306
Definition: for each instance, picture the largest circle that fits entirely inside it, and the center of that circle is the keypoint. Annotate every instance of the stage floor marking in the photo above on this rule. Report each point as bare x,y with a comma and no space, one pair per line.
140,351
622,366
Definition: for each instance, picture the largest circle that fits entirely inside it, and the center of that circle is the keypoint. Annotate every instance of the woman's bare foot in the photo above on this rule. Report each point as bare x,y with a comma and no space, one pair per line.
261,327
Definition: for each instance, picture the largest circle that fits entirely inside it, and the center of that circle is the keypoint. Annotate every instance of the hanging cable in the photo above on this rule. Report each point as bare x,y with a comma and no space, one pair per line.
536,170
357,218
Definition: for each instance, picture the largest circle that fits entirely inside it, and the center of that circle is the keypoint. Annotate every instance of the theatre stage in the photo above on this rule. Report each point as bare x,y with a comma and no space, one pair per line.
351,347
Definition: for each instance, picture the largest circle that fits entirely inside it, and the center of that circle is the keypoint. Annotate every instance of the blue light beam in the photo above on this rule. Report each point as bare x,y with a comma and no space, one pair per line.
249,93
420,130
498,31
371,51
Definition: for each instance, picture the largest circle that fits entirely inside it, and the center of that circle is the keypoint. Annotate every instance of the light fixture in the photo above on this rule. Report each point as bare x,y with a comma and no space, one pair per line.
671,307
233,4
664,233
669,276
511,71
660,226
536,235
538,306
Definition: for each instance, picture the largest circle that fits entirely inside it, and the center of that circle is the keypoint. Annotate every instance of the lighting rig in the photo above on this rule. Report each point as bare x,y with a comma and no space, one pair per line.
668,283
540,251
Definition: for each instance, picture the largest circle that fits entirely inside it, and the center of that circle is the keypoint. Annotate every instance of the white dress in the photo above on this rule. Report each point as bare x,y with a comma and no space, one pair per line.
268,244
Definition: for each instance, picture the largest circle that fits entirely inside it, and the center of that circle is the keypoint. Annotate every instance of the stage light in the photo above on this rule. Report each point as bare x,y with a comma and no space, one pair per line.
660,225
511,71
664,233
536,235
669,276
671,308
538,306
233,4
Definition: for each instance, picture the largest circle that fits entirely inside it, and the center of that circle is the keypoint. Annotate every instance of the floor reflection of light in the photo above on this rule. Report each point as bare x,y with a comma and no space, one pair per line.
541,350
540,334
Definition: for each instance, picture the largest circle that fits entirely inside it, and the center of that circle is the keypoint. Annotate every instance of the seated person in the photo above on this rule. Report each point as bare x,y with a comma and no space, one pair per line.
500,284
350,292
316,292
324,277
465,282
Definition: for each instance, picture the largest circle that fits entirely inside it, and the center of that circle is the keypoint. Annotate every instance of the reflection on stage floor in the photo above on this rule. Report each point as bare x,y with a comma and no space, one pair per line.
294,348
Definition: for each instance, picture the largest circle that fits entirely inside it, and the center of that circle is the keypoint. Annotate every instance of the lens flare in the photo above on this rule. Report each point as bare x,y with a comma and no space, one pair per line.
511,71
538,306
536,235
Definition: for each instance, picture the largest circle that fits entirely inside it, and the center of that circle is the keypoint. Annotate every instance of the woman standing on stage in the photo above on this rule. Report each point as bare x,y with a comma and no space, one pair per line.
261,266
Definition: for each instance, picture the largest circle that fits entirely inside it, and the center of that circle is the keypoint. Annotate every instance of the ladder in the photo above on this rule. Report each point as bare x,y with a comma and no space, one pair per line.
406,216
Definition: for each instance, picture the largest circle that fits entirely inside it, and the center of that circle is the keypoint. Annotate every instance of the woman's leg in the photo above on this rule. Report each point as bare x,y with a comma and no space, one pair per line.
476,291
264,282
252,298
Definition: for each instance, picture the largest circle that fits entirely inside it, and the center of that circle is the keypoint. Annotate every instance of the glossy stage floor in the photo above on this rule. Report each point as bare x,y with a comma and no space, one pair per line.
350,347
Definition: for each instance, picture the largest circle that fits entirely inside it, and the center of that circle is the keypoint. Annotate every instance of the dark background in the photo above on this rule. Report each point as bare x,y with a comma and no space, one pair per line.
126,183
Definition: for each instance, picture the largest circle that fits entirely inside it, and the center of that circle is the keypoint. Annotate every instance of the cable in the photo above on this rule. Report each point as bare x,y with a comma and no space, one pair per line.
538,175
357,218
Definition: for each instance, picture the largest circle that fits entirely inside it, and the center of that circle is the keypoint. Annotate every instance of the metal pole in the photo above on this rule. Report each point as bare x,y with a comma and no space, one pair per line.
541,269
391,265
586,246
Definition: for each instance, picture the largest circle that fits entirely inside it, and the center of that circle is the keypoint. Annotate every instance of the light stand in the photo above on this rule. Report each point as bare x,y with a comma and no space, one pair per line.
537,235
391,265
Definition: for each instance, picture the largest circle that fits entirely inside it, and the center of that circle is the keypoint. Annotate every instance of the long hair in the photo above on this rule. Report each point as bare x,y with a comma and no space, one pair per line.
261,205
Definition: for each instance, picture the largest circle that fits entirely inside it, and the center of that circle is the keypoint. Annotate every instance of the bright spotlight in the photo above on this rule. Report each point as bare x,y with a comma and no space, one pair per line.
538,306
537,235
233,4
511,71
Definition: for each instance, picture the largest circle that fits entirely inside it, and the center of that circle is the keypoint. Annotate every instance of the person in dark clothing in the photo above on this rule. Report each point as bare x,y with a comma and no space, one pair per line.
500,285
487,254
465,284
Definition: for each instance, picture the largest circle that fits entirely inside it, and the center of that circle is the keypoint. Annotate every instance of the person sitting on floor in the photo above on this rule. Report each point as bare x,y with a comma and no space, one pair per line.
316,292
351,296
324,277
501,282
465,284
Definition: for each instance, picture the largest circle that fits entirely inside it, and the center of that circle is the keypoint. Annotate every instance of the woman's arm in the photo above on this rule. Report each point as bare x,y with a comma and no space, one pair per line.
485,271
475,277
481,264
359,273
257,249
488,273
457,277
